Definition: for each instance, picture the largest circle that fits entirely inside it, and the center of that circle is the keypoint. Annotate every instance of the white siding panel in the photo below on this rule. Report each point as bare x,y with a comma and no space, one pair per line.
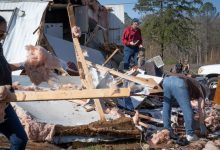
21,32
116,23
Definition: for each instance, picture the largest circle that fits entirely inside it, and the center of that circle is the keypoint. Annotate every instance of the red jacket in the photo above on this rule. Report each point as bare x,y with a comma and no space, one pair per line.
130,35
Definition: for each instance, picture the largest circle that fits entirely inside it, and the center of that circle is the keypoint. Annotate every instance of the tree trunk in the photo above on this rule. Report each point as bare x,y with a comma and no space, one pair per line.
211,54
197,55
200,54
162,50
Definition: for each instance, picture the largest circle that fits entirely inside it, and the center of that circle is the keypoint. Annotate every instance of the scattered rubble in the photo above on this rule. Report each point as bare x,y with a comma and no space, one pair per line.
210,146
161,137
212,119
40,67
149,121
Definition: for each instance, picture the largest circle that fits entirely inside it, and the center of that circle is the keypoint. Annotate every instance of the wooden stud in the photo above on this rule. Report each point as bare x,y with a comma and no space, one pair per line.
149,118
146,82
67,95
110,57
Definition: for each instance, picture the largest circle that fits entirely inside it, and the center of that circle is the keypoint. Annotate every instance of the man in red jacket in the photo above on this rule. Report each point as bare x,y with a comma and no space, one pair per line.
132,41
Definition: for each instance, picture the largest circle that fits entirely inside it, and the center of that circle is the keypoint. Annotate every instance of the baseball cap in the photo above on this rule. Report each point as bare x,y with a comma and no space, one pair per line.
135,20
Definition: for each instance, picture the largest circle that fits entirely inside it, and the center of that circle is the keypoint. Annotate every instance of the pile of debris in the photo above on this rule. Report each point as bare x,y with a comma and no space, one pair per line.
122,121
106,109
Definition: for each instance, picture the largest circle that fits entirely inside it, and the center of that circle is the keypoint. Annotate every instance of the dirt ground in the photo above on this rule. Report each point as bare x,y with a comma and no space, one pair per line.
4,144
125,145
122,127
130,145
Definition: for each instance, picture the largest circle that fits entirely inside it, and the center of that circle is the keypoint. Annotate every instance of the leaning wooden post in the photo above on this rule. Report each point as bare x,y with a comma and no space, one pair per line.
84,73
110,57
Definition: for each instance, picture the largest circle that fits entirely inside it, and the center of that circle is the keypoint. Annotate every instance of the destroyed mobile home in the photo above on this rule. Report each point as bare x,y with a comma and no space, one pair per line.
99,103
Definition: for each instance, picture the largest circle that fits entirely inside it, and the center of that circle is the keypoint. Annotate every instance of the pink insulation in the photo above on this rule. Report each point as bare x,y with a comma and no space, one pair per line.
212,120
36,131
161,137
40,64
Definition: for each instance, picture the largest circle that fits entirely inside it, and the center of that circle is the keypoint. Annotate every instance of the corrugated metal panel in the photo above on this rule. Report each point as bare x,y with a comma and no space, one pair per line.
82,18
116,23
21,31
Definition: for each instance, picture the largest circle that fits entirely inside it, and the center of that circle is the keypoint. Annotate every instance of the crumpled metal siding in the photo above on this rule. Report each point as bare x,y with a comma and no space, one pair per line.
116,23
22,29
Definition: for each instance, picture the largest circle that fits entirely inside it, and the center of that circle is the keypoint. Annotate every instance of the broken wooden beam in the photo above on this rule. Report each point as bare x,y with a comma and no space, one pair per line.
143,124
137,116
137,121
110,57
67,95
150,118
130,72
146,82
84,73
153,90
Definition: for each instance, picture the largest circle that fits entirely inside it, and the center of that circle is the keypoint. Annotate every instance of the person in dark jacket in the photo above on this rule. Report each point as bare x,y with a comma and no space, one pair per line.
132,41
10,125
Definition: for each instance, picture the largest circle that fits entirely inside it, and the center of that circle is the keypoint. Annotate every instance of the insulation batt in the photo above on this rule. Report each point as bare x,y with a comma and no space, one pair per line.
17,86
210,146
212,119
40,64
36,131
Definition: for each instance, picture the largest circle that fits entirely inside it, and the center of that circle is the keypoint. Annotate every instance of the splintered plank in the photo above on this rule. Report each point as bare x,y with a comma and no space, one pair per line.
110,57
156,89
144,82
67,95
84,73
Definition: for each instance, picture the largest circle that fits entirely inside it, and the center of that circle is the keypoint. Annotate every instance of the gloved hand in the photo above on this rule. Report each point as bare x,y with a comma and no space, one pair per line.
203,129
4,91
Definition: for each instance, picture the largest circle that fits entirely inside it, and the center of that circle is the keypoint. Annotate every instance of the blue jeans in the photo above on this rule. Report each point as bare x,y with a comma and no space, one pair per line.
128,53
13,130
176,88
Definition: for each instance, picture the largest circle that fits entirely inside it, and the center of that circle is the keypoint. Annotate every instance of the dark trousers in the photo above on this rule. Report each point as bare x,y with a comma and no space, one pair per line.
128,53
13,130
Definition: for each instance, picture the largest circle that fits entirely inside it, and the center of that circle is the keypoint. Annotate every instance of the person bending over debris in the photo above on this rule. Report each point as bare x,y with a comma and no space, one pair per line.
183,89
132,41
10,125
